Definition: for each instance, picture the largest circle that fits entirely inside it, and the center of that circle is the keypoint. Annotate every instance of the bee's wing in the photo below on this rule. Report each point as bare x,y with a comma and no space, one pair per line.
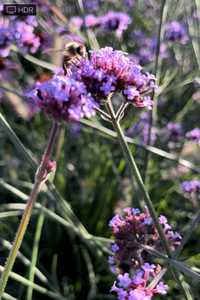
51,50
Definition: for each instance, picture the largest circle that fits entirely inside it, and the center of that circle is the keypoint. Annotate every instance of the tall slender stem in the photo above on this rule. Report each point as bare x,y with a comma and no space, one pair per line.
37,236
40,178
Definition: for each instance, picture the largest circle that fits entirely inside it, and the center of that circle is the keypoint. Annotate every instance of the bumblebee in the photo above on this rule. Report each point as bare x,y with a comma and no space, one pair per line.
72,54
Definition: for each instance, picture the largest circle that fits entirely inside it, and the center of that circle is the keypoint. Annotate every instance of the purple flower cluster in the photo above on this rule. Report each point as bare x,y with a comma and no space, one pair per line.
109,71
116,21
133,231
20,32
137,287
63,99
24,36
77,95
112,21
194,135
176,32
141,129
191,186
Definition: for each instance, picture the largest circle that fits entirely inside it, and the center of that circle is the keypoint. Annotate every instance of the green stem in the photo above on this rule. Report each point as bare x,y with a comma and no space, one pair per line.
36,61
40,178
108,133
40,289
36,242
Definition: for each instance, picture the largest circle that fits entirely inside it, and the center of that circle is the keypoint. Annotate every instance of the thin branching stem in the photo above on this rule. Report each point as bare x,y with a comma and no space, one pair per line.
102,113
121,110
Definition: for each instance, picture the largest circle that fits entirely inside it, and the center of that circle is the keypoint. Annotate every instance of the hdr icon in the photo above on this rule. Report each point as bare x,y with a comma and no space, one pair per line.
19,9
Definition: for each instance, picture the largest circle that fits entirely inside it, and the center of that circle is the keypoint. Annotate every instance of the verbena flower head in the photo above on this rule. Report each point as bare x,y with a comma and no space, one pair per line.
137,287
63,99
117,21
112,21
191,186
109,71
24,35
194,135
20,32
176,32
132,232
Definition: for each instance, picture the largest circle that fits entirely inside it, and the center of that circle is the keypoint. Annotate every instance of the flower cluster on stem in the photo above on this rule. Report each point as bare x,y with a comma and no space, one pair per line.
133,231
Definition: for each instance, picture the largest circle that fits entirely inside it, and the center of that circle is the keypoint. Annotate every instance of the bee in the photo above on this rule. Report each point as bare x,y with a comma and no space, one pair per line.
73,52
72,55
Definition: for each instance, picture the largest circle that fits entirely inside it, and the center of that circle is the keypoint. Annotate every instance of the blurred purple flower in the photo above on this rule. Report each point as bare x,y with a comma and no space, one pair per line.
91,5
146,47
193,135
114,248
191,186
112,21
75,130
141,129
176,32
174,131
75,22
63,99
5,37
25,37
18,31
92,21
116,21
172,135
